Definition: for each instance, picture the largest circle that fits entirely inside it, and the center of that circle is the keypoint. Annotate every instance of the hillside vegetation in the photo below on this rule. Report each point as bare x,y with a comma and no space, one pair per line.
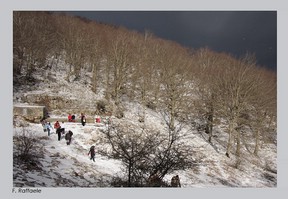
73,65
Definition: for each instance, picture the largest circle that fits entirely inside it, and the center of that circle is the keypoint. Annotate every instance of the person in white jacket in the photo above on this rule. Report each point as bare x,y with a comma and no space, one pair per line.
48,127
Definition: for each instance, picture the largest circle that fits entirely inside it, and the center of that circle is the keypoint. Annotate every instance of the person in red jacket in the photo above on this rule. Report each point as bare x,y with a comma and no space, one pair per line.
57,125
69,118
58,129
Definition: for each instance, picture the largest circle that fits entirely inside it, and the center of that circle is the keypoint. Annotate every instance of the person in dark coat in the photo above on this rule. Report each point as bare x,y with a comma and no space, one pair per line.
73,118
154,180
83,119
62,127
68,137
92,153
58,131
175,181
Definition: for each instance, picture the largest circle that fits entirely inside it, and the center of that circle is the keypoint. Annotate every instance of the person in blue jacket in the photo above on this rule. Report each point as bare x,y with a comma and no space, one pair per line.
48,127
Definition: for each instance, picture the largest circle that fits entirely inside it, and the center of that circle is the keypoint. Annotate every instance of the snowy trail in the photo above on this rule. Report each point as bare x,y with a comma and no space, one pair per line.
62,161
70,166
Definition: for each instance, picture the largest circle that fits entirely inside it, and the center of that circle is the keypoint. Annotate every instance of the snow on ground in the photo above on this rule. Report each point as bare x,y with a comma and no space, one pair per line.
70,166
67,165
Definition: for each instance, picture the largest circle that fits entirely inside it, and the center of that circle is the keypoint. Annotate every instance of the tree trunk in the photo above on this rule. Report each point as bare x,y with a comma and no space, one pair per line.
107,92
129,174
94,78
230,139
69,73
209,127
238,147
257,133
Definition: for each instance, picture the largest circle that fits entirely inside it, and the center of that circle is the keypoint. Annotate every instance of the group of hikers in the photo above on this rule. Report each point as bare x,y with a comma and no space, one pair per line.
60,130
155,180
71,118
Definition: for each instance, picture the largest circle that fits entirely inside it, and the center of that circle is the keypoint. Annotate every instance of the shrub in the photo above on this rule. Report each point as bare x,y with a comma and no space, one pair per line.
25,148
145,152
102,106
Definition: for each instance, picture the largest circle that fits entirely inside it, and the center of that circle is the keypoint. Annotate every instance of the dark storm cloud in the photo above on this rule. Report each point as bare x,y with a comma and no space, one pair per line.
233,32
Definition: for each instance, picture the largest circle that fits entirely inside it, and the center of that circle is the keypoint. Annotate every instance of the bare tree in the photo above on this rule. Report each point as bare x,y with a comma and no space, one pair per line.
240,88
145,83
33,39
133,148
145,152
173,80
94,52
207,62
232,88
263,103
72,35
120,60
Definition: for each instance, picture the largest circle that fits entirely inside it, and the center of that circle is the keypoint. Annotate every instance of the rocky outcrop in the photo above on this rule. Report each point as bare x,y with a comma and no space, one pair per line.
30,112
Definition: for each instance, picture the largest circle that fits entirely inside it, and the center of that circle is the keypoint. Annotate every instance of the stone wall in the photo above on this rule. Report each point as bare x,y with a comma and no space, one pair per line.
31,113
59,105
62,106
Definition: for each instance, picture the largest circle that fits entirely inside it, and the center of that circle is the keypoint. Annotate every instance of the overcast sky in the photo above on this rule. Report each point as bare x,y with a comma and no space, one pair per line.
233,32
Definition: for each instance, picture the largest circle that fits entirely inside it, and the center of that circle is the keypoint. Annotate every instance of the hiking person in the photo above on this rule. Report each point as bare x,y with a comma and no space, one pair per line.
73,118
57,125
107,121
92,153
155,180
48,127
68,137
97,119
175,181
43,122
62,127
69,117
58,129
83,119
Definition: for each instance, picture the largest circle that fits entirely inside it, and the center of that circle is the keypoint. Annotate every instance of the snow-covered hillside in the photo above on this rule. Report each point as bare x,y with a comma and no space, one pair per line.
69,165
62,165
65,165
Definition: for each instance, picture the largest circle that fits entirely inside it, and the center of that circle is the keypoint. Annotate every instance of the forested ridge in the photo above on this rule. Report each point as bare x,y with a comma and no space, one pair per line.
192,86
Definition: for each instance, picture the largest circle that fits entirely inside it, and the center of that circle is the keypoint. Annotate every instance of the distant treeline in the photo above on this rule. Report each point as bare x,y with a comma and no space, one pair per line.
185,84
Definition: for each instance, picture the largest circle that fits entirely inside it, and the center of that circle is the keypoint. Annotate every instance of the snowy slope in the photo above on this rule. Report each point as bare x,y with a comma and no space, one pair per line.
67,165
70,166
